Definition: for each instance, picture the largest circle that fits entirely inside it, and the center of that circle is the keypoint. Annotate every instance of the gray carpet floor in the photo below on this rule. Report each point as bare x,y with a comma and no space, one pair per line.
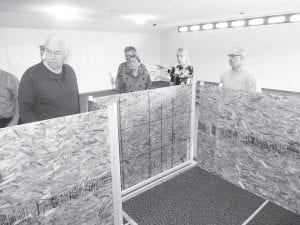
273,214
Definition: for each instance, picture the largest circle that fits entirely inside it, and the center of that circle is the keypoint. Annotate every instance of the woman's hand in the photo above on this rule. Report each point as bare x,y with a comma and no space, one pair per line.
160,67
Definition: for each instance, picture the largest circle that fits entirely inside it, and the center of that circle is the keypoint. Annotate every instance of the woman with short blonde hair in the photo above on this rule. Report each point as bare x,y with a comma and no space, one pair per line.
183,72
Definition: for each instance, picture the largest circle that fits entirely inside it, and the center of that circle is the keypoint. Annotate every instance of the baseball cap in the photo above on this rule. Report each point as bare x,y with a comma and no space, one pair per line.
238,51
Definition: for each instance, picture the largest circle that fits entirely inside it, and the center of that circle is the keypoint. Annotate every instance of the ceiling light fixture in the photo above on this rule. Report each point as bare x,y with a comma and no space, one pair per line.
276,19
63,12
140,19
245,22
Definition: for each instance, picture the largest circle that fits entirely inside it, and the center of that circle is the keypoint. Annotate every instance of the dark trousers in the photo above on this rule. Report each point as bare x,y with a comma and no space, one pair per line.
4,122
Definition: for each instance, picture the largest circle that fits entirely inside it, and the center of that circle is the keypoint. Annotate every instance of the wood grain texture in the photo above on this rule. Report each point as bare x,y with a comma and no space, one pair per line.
252,140
56,171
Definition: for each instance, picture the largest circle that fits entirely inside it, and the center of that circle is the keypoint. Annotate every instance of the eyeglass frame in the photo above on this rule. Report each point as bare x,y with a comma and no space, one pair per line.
56,54
233,55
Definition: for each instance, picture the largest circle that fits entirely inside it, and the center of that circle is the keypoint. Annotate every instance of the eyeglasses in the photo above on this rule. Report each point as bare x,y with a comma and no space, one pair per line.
233,55
56,54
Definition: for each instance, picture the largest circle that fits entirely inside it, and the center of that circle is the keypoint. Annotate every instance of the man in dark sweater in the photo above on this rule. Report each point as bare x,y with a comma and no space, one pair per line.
49,89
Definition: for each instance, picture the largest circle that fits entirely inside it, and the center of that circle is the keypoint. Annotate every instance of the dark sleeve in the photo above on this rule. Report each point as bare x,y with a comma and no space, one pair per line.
26,98
77,90
148,82
191,70
172,72
119,81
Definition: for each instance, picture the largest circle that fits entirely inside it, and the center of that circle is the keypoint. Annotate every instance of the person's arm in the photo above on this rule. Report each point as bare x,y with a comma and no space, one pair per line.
148,81
14,86
221,80
188,73
254,85
26,98
257,85
77,91
119,80
171,71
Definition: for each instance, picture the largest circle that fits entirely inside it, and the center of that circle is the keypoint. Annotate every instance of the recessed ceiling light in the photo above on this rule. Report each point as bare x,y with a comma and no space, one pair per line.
238,23
195,27
183,29
295,18
222,25
208,26
276,19
140,19
63,12
257,21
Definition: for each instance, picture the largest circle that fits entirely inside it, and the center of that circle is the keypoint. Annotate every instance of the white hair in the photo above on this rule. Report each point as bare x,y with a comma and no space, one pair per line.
57,38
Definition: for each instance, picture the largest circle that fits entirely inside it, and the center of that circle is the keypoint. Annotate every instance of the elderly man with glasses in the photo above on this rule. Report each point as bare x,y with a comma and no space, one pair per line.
237,77
49,89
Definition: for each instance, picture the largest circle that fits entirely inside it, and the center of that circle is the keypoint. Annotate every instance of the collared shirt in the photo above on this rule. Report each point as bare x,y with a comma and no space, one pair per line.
127,83
8,94
180,75
240,80
45,95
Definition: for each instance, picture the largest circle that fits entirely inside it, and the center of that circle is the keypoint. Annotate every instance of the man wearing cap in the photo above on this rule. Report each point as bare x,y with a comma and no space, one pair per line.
49,89
237,77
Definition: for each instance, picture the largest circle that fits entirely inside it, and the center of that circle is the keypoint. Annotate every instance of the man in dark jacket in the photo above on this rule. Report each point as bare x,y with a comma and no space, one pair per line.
49,89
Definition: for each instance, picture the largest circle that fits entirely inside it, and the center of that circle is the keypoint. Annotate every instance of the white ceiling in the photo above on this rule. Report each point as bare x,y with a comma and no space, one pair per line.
108,15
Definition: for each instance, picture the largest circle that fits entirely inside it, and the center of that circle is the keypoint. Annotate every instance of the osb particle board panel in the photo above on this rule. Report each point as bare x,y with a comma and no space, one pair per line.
153,162
151,136
170,101
135,170
252,140
56,171
134,109
148,121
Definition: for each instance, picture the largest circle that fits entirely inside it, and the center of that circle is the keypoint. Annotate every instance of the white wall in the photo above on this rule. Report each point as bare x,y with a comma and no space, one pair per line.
93,54
273,52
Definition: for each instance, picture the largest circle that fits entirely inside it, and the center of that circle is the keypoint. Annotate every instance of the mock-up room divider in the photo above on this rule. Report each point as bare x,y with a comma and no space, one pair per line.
253,141
57,171
154,130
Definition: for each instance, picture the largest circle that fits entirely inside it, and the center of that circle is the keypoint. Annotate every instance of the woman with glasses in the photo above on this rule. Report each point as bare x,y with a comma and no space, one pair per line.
135,77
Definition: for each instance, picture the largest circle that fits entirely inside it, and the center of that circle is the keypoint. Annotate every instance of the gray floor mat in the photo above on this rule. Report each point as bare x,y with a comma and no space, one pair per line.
194,197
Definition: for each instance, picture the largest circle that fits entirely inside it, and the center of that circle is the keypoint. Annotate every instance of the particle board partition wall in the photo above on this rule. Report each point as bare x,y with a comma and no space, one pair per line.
57,171
154,130
253,141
